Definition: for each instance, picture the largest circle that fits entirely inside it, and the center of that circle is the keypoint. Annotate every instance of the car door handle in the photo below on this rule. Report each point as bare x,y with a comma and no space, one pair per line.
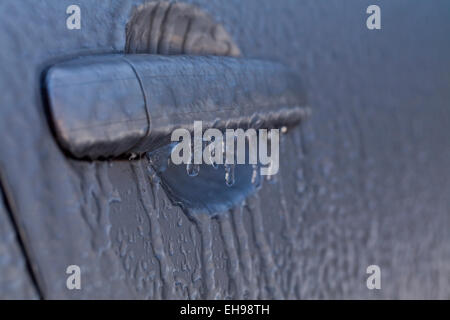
111,105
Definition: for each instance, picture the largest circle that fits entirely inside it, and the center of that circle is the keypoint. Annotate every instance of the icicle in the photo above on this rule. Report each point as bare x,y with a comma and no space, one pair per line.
229,174
255,175
213,163
191,168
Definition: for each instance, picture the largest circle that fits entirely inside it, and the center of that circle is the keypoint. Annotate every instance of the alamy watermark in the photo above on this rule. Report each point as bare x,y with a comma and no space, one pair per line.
73,281
73,22
374,280
213,147
373,22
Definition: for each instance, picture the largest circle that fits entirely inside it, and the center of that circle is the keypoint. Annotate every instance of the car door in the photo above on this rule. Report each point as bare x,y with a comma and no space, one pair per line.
363,181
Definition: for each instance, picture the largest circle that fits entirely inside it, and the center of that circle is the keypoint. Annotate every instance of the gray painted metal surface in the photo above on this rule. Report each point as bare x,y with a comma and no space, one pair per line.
364,181
15,280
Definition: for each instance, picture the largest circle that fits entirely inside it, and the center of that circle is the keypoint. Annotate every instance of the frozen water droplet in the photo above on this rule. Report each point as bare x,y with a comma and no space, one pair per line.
214,163
171,249
229,174
255,175
154,178
192,169
132,156
301,185
272,179
223,145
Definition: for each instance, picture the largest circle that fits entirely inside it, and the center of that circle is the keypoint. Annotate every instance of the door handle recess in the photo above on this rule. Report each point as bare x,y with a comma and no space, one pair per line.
112,105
